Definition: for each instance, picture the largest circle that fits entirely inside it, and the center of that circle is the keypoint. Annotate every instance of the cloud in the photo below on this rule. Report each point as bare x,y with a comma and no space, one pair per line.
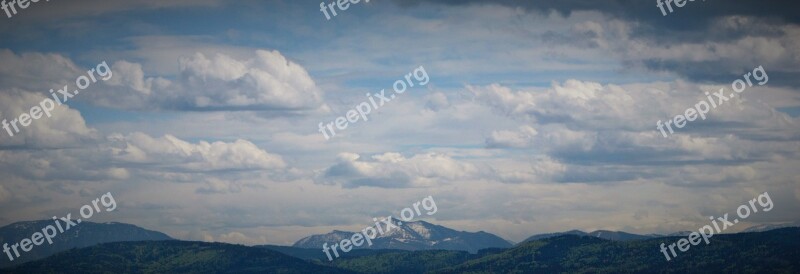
64,128
703,41
693,15
63,147
716,52
55,10
5,195
121,157
266,82
436,101
170,152
215,186
540,169
508,139
591,106
239,238
393,170
35,71
554,132
607,133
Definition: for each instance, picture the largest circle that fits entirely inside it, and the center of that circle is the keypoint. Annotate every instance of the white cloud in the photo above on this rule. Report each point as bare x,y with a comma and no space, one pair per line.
436,101
266,81
393,170
64,128
171,152
521,138
35,71
239,238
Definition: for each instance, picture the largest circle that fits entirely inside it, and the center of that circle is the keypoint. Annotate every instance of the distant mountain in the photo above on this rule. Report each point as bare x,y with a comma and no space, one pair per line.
617,235
171,257
83,235
679,234
316,241
316,254
768,252
602,234
768,227
418,235
774,251
556,234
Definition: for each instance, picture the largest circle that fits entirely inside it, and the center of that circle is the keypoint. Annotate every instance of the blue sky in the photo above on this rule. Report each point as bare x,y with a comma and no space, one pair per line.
538,117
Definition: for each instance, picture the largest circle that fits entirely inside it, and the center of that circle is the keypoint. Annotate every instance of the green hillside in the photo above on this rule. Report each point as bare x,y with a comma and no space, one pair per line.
776,251
171,257
405,262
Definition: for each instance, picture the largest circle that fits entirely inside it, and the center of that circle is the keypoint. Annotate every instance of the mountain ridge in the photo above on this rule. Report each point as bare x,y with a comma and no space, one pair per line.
82,235
741,252
418,235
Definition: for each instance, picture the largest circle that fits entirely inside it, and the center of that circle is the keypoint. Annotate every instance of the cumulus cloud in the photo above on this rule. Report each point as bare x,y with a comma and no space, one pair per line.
590,106
436,101
541,169
508,138
607,132
63,148
557,155
64,127
704,42
267,81
170,152
715,53
37,72
121,157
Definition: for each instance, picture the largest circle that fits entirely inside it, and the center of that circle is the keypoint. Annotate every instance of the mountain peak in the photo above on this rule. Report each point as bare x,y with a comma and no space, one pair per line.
416,235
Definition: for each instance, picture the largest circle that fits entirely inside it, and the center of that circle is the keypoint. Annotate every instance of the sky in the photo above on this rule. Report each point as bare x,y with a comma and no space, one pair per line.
537,116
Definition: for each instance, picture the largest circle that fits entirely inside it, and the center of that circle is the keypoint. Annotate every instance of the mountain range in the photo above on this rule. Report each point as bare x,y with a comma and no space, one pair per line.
414,247
774,251
171,257
419,235
82,235
602,234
